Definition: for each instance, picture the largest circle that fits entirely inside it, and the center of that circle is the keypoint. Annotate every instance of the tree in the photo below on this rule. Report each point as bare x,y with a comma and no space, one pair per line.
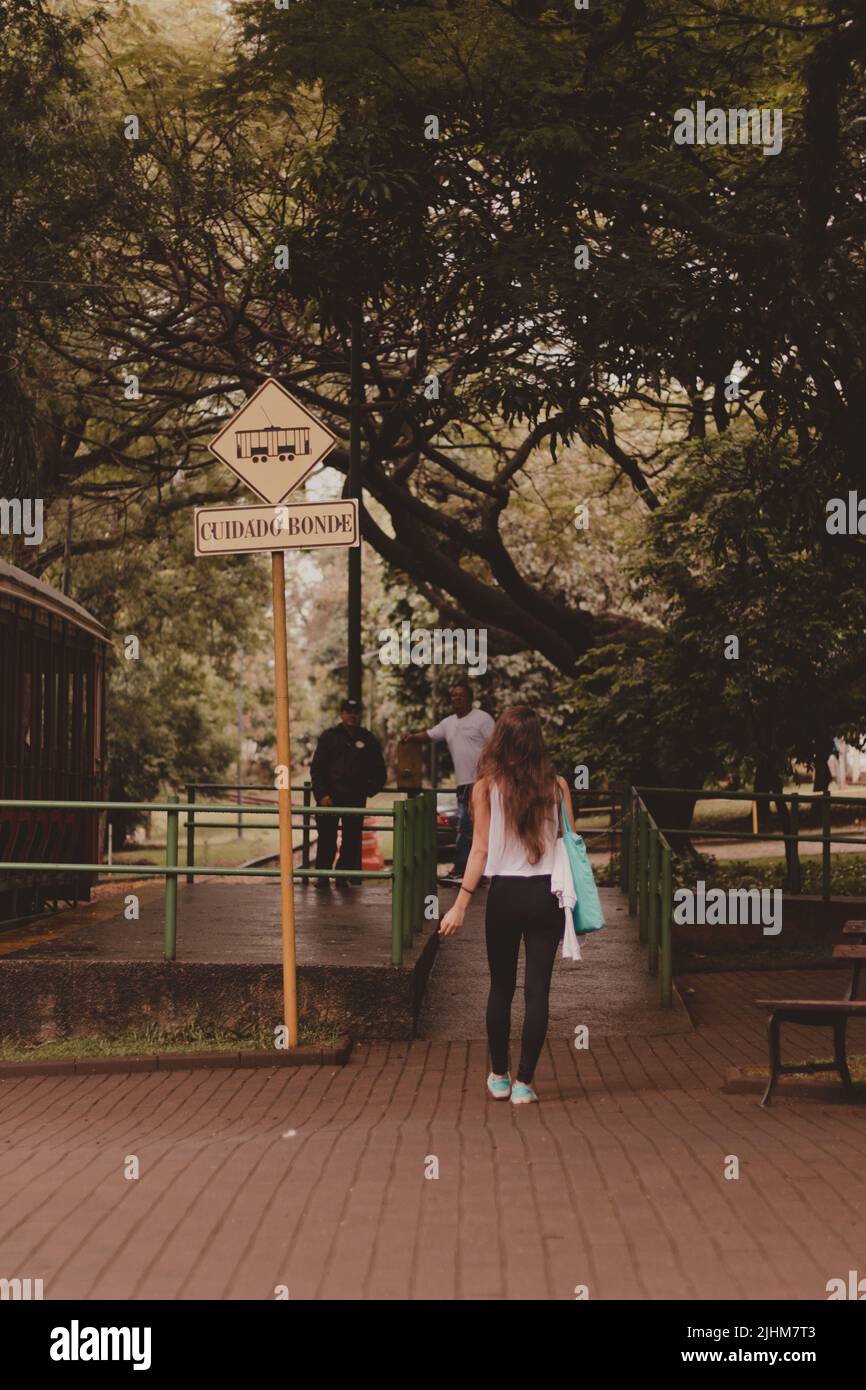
758,655
176,625
257,215
482,342
55,181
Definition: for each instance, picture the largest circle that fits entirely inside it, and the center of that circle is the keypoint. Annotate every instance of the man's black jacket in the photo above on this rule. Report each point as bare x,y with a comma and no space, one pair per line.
345,772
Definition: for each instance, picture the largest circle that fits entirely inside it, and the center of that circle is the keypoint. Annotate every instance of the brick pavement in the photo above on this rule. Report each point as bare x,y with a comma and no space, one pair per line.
615,1181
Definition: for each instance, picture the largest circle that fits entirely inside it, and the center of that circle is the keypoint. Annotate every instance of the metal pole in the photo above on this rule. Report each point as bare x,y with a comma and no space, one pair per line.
190,831
626,852
240,742
667,963
170,939
654,914
795,883
825,848
431,842
624,841
612,849
305,831
397,886
284,758
408,886
354,490
642,884
418,862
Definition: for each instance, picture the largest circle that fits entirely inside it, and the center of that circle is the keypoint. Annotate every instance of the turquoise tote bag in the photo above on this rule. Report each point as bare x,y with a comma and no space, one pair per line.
587,912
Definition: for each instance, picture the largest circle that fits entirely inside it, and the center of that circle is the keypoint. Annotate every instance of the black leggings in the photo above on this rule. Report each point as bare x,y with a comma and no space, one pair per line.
520,907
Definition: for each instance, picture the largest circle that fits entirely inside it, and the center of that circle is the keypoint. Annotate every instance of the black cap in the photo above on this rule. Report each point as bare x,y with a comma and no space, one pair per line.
354,706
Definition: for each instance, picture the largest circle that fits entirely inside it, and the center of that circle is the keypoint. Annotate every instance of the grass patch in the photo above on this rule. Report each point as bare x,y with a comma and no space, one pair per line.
856,1066
847,873
736,815
146,1041
776,957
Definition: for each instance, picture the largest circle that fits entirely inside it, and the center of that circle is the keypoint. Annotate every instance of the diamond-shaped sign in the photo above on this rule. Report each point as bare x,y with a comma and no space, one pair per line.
272,442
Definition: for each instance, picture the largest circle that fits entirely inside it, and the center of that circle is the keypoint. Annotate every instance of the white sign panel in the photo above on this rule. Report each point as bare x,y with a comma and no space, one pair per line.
291,526
273,442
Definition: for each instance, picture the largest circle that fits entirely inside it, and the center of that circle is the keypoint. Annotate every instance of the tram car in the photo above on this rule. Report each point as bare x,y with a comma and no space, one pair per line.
52,741
259,446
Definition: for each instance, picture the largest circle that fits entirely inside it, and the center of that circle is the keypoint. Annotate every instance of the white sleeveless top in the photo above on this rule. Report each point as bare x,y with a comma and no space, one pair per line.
506,853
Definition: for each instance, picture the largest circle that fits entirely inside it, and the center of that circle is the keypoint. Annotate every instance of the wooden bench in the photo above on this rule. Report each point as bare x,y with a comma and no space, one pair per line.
820,1013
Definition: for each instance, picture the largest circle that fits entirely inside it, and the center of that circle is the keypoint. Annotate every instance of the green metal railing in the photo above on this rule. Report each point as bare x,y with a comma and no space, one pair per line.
647,878
795,837
646,866
195,809
412,872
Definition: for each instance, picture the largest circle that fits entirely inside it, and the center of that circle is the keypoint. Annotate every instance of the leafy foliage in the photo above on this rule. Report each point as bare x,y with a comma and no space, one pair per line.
740,549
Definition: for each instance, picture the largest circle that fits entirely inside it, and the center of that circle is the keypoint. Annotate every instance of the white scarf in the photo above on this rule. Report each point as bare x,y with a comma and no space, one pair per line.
562,885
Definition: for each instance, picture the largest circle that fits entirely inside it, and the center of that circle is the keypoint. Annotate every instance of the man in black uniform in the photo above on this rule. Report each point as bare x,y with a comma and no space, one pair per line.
347,767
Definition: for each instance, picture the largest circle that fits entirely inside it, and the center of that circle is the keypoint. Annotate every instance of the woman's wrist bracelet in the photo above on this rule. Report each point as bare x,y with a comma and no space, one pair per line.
464,889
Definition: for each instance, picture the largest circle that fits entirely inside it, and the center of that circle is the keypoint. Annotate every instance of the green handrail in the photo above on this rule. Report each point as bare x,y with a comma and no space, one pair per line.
398,886
795,882
647,874
794,837
170,943
305,833
825,850
643,882
634,853
413,870
414,826
624,842
654,913
666,933
650,891
190,833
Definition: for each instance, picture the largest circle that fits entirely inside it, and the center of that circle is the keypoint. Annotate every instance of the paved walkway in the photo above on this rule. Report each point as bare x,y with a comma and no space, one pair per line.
609,989
315,1178
219,919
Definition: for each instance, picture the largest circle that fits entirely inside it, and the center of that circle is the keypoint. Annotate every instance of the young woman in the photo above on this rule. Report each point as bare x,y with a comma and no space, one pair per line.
515,815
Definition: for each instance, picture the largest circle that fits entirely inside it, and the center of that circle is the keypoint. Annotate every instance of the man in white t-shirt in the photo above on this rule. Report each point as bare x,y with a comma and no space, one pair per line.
465,731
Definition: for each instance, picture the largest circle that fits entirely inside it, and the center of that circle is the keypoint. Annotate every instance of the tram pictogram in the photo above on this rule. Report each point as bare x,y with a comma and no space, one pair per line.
259,446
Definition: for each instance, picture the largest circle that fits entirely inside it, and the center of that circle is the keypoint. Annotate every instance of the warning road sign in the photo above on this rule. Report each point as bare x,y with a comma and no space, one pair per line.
291,526
273,442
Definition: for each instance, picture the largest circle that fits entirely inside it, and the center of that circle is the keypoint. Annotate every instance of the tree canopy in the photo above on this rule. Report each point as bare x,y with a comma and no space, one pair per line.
492,190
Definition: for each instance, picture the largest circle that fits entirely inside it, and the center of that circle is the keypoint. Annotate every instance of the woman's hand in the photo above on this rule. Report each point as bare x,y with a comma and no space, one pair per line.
451,922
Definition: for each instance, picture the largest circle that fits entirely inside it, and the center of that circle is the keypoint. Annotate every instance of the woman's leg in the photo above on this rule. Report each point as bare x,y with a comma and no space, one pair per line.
502,930
542,934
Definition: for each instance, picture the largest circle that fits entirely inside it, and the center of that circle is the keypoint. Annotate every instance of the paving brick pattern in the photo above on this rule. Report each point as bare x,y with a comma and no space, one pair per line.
314,1178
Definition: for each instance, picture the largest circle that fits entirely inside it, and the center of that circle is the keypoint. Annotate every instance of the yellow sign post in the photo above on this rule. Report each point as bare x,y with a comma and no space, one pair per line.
273,453
284,773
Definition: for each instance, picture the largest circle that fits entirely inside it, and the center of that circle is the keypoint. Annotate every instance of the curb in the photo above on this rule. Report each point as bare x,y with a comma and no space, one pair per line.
736,1084
336,1056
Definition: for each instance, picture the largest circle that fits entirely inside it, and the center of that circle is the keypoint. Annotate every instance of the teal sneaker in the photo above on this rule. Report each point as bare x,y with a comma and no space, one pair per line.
521,1094
499,1086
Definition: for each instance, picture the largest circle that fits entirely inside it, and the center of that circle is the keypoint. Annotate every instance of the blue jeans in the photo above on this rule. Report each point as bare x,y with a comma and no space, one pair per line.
464,828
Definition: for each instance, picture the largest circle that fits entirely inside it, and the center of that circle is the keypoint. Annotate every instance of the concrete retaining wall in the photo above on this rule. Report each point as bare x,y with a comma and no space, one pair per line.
44,999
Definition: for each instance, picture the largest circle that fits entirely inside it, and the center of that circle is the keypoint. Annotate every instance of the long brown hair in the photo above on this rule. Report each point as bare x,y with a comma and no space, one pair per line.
515,758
